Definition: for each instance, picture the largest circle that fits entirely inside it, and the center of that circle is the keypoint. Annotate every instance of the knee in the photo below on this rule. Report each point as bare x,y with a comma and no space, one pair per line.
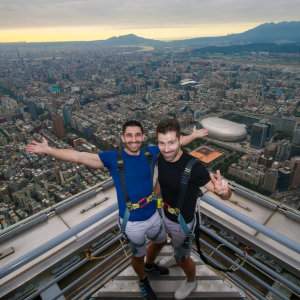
138,259
137,252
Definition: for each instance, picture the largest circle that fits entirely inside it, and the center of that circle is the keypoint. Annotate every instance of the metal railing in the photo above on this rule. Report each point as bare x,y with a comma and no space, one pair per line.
74,268
283,240
252,260
28,257
276,236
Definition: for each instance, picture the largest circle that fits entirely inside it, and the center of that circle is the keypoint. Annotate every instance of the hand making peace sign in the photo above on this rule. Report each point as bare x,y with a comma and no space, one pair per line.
220,184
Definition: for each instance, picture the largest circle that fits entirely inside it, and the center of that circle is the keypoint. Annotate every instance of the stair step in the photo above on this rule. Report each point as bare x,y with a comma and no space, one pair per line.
202,272
206,289
210,285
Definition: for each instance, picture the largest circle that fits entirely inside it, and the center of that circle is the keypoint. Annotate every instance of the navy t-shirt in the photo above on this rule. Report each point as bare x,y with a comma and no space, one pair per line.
138,178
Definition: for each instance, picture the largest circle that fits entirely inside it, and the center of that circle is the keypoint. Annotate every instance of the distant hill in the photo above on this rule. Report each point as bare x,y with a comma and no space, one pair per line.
284,32
130,40
278,33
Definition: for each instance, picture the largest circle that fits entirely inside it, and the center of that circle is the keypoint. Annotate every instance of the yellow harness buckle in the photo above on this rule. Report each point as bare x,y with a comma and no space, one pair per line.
173,211
150,198
159,202
132,206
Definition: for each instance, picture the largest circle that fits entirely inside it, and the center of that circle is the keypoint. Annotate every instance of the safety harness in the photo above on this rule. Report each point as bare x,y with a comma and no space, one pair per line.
143,201
195,232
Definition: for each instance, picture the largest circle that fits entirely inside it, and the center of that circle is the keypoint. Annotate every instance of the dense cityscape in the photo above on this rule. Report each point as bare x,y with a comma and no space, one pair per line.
103,195
80,97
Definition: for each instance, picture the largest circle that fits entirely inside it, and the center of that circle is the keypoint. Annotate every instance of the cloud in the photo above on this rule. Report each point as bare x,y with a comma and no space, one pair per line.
142,13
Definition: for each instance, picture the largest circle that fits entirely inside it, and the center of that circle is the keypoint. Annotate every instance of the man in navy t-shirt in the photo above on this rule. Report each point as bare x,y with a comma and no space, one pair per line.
144,221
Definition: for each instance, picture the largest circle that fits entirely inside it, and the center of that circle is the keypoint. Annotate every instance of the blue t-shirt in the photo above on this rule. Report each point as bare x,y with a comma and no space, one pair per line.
138,179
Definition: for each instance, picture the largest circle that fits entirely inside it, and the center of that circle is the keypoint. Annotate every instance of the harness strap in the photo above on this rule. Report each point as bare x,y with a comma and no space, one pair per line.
142,202
185,178
187,231
125,220
122,176
124,190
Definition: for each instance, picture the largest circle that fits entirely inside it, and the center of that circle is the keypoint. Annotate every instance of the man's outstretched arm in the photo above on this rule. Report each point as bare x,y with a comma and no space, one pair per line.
196,134
91,160
219,186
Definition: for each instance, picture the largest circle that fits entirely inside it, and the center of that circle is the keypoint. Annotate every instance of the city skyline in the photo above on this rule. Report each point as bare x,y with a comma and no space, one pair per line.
78,20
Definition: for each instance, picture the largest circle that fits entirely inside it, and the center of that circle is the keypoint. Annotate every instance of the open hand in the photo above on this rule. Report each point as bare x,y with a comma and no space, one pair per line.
36,147
200,132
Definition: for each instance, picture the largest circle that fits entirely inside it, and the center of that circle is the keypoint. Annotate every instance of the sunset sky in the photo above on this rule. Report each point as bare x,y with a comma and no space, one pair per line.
78,20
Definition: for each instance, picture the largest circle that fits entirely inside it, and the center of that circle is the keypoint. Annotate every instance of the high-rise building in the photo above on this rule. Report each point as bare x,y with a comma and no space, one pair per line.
258,135
270,129
32,109
296,135
295,150
67,114
284,124
297,110
284,178
270,180
270,150
266,161
295,182
283,150
58,125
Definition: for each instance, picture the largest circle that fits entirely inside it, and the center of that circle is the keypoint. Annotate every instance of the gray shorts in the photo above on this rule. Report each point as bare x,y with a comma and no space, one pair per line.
138,231
182,246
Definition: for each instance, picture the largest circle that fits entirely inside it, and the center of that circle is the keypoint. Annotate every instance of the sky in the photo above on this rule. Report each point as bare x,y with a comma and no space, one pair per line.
83,20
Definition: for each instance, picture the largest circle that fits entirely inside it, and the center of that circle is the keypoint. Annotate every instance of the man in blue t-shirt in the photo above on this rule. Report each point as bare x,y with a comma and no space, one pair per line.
144,221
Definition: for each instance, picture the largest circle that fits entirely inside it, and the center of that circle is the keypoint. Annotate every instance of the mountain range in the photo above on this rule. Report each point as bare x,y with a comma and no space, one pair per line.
278,33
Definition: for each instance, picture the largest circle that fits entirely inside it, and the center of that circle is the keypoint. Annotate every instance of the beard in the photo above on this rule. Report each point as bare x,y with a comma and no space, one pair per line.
133,146
171,156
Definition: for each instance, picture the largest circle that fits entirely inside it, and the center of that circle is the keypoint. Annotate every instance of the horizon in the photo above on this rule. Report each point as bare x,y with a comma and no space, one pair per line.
162,34
165,20
245,27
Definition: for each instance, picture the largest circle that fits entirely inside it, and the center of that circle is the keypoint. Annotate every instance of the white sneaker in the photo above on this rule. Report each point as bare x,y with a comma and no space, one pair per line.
168,262
185,289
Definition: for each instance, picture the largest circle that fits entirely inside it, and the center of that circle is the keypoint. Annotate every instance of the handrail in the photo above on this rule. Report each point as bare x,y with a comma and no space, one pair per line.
21,261
43,215
276,292
253,260
276,236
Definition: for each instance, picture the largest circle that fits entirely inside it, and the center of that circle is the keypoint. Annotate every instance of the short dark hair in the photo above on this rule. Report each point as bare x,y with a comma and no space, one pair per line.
167,125
130,123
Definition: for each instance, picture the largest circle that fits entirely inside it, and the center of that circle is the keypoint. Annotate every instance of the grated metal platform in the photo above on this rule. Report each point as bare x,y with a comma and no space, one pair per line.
210,284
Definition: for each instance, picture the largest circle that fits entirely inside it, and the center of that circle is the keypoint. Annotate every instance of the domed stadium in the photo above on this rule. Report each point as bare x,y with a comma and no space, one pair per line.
224,130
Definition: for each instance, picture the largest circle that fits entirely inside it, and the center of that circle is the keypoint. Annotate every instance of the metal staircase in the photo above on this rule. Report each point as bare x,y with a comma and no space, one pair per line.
210,284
